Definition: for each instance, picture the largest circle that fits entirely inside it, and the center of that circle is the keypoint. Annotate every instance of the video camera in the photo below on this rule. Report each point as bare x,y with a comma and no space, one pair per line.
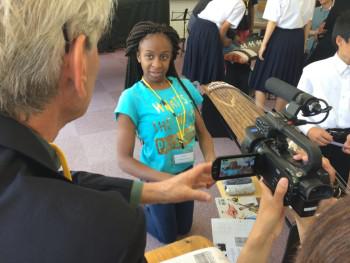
267,143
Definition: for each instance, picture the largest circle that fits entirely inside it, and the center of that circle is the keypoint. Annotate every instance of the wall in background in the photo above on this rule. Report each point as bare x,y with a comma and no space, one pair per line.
180,6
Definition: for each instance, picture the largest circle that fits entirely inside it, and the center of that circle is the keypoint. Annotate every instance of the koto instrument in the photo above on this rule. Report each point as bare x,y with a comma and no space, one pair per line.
238,110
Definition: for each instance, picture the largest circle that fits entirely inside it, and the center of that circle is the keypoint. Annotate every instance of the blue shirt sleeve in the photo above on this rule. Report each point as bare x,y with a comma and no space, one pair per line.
198,99
126,105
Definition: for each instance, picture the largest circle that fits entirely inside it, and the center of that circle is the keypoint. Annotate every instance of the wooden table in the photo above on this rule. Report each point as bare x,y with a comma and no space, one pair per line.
177,248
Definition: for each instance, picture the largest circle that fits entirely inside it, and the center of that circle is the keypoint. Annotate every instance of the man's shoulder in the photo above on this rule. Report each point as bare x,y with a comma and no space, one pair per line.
84,224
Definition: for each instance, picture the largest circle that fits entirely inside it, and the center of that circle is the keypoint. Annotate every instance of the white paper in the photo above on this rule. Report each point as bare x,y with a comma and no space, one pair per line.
240,207
230,235
204,255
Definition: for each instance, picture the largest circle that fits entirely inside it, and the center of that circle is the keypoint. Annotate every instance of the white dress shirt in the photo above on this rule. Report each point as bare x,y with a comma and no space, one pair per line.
328,79
289,14
219,11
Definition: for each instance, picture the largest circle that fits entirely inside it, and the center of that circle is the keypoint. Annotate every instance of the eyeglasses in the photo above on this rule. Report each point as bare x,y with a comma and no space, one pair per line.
66,39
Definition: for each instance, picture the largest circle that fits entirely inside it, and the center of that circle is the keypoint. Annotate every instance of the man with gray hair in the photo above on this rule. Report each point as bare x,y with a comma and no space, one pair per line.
48,68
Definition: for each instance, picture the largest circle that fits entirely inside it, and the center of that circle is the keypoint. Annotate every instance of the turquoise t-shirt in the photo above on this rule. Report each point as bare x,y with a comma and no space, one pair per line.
156,127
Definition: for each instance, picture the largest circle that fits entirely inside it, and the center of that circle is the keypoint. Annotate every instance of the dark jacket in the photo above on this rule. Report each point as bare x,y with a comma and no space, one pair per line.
45,218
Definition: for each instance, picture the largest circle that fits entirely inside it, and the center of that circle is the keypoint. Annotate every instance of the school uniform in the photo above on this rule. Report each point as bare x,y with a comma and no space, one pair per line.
199,7
329,79
283,57
204,58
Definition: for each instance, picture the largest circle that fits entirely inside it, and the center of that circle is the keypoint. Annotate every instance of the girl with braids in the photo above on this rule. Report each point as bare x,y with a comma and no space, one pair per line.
161,109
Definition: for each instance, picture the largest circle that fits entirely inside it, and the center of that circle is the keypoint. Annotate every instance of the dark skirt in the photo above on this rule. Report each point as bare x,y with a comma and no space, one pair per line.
283,59
204,59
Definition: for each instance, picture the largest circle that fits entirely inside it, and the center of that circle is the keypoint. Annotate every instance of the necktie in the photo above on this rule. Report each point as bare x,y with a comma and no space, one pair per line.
63,161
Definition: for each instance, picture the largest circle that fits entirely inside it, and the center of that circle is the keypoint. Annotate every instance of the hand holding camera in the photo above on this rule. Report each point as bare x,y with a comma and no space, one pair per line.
267,153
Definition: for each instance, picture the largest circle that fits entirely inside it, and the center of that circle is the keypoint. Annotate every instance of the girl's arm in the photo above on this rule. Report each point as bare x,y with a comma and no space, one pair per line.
125,151
204,138
223,31
270,27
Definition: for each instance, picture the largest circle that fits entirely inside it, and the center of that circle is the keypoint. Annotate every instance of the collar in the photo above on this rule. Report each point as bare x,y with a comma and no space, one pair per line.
20,138
341,67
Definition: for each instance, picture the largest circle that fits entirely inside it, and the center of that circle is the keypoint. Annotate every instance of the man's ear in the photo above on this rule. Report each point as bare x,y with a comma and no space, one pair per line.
339,41
78,64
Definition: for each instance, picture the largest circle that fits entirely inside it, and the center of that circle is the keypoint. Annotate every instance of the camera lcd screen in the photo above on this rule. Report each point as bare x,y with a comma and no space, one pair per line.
237,166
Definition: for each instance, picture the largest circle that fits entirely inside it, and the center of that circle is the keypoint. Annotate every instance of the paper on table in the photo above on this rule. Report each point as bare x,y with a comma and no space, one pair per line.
241,207
204,255
229,235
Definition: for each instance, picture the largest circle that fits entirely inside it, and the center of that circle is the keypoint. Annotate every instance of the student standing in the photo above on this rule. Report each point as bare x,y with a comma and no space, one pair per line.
196,10
282,50
329,79
160,109
204,59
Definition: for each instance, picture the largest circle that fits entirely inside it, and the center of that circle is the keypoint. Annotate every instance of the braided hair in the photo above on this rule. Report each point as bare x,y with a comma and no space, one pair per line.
140,31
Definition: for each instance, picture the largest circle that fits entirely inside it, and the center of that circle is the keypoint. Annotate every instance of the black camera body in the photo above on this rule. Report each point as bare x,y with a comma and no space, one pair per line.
308,183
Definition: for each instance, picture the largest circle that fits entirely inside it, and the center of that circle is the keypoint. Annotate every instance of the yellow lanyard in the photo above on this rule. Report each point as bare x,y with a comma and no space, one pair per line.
63,161
167,106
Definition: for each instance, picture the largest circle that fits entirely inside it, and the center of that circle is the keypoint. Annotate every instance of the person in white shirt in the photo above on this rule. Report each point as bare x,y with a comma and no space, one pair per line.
329,79
204,58
282,50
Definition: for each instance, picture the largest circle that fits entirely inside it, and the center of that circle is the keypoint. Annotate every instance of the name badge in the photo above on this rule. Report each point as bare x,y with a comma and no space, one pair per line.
184,158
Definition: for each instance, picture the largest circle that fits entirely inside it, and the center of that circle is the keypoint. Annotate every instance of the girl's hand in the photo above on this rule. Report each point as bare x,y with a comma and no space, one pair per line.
262,51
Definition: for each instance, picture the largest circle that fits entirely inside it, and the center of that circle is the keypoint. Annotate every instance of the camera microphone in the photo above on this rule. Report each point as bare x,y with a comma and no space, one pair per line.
310,105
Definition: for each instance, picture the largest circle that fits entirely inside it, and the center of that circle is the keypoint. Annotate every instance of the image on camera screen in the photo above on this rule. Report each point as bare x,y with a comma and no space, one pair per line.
237,166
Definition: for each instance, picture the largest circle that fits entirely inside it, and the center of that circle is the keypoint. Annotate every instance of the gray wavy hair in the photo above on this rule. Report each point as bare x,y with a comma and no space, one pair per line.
32,47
